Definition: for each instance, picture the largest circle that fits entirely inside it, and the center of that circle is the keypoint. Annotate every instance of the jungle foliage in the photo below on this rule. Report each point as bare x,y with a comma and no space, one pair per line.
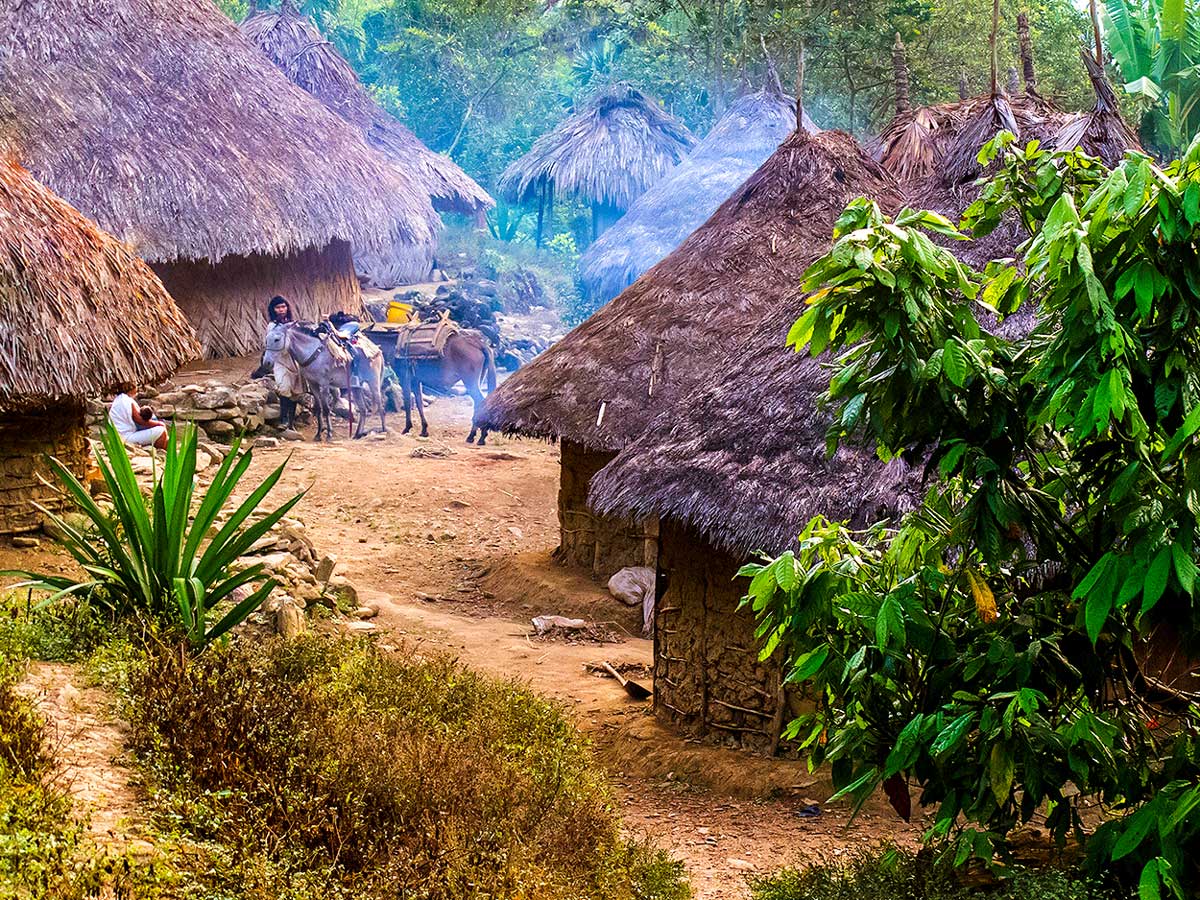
1019,644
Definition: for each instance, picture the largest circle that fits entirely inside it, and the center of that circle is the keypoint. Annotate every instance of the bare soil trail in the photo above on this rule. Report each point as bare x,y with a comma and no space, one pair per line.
453,544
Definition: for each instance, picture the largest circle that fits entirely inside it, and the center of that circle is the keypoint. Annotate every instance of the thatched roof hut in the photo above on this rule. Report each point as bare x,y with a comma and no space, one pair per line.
161,121
1102,132
81,312
606,153
681,201
294,43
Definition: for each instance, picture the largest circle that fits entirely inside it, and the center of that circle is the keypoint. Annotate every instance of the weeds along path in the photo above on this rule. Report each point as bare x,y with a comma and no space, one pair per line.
87,739
453,545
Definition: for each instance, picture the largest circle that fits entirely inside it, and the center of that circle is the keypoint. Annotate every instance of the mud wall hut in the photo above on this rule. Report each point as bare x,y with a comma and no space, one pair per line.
607,153
603,385
737,466
297,47
159,120
80,312
671,209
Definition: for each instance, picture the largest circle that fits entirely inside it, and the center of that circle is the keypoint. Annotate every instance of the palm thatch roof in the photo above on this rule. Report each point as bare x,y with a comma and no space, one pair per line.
1102,132
674,207
163,123
81,311
604,383
298,48
607,153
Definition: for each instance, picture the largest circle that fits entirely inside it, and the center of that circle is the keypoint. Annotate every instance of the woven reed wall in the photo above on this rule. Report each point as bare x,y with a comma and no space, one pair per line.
708,680
227,302
25,440
602,544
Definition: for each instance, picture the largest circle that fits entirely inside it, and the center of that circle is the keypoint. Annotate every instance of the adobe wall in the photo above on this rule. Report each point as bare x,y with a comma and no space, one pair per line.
708,680
25,439
601,544
227,302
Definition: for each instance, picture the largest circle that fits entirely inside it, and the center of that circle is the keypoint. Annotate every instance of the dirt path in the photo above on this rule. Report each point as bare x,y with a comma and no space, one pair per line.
455,550
88,741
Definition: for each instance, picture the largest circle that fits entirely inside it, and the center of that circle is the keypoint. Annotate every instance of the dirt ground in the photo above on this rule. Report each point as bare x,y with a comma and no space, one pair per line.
454,546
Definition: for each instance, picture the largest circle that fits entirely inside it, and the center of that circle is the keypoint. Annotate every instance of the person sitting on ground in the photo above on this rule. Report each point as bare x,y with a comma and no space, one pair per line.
136,429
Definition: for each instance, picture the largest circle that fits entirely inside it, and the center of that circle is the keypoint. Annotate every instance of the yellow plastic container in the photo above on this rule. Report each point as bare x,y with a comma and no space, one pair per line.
398,313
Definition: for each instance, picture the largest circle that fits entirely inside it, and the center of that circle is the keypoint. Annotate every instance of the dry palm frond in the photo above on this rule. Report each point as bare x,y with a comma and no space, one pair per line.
609,152
159,120
1103,132
682,200
81,311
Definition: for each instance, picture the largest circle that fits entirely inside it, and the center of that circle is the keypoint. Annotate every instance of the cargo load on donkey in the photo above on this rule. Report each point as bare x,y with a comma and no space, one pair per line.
437,354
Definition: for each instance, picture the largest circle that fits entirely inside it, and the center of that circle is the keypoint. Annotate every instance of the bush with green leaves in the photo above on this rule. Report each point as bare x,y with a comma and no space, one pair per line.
1011,645
167,557
378,775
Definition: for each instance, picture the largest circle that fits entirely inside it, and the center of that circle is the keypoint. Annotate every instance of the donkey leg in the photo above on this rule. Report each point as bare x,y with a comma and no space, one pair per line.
406,390
421,409
472,386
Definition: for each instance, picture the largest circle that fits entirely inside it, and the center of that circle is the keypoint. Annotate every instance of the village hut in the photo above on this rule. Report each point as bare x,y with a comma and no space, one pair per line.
601,387
81,312
673,208
159,120
607,154
294,43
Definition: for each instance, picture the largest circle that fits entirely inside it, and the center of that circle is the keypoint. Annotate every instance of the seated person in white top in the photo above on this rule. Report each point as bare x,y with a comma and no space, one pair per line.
136,425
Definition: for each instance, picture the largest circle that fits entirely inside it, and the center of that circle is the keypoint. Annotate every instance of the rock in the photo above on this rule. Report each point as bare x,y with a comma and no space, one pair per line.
142,465
197,415
289,619
266,443
447,536
515,531
217,398
219,429
291,434
360,626
347,592
24,542
325,568
741,865
366,612
203,460
214,451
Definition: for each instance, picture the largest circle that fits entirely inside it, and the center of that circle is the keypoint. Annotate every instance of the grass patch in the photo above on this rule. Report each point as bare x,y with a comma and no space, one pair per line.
323,767
64,631
892,874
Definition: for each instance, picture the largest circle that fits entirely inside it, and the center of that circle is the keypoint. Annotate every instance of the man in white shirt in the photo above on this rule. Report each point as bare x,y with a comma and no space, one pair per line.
133,427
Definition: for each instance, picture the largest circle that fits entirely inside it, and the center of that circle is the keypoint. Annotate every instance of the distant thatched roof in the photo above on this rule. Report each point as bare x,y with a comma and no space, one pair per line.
603,384
80,310
682,200
298,48
162,122
742,458
1103,132
609,152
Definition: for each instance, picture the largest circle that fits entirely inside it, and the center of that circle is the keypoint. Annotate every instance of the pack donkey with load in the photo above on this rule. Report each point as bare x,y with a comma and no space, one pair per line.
437,355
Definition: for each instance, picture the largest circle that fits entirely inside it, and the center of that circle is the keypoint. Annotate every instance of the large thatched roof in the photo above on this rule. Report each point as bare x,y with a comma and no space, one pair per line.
80,310
742,459
163,123
673,208
1102,132
299,49
608,152
604,383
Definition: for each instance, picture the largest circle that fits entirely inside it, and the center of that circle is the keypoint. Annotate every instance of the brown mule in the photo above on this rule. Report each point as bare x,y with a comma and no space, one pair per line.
467,357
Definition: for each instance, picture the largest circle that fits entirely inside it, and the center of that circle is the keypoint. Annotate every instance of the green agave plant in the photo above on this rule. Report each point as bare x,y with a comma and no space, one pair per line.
163,556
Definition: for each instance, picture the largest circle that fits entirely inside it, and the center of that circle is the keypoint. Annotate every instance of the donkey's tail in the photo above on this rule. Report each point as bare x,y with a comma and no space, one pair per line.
491,366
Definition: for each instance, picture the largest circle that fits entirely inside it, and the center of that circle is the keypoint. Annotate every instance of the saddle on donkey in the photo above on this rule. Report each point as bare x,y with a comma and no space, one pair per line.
346,343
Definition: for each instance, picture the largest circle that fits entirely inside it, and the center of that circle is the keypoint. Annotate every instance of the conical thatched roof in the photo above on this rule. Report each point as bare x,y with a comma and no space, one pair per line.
604,383
80,310
1103,132
609,152
681,201
299,49
162,122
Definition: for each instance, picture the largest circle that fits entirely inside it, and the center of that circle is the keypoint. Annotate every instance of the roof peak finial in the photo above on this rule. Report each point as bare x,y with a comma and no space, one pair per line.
800,87
1025,45
772,83
900,76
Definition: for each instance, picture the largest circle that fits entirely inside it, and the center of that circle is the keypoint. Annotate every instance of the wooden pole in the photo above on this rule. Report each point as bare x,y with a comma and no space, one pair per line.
964,86
900,76
1096,31
992,47
800,86
1025,44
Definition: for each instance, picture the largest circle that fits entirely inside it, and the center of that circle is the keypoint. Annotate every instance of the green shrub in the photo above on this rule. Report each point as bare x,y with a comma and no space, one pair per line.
68,630
891,874
168,557
395,776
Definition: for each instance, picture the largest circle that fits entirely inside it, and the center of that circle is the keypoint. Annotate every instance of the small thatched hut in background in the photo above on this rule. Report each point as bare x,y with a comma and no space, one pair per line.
607,154
80,312
600,388
158,119
680,202
302,53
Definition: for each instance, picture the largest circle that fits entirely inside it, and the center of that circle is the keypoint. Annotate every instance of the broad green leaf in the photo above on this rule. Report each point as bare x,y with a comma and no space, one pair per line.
949,736
1001,773
1156,578
1185,568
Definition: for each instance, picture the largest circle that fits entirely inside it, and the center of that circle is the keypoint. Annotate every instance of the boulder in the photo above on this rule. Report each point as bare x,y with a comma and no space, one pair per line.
289,619
216,398
219,429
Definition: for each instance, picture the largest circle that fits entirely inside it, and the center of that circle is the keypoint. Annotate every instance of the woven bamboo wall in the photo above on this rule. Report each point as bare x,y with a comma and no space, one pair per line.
602,544
708,680
227,302
25,440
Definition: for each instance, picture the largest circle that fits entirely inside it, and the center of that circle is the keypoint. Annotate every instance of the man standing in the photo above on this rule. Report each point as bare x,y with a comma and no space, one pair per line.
289,384
136,426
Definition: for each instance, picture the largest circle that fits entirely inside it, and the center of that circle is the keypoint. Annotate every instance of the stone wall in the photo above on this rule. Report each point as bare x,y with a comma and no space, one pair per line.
602,544
24,442
708,680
